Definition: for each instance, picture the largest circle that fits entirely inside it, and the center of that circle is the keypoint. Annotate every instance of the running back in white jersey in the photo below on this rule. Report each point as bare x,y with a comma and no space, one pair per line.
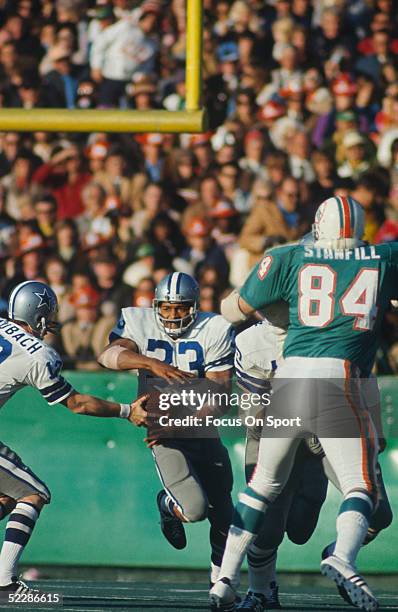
27,361
258,354
207,346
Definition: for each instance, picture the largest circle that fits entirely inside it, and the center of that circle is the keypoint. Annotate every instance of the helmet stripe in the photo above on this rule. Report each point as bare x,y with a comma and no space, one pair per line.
341,217
353,215
169,283
179,278
13,295
346,229
173,283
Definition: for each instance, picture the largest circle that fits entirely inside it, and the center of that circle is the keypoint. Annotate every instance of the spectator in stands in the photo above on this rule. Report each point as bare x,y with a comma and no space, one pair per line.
61,82
202,250
62,175
56,274
45,211
67,243
123,49
18,185
85,336
265,220
108,284
154,202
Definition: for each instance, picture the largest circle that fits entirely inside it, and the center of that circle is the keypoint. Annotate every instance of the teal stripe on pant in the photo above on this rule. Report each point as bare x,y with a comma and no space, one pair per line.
356,504
248,518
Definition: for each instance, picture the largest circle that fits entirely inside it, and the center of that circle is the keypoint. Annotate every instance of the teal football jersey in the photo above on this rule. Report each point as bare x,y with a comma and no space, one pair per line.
337,298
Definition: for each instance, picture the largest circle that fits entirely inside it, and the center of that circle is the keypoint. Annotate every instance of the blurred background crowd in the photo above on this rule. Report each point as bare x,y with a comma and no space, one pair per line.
303,104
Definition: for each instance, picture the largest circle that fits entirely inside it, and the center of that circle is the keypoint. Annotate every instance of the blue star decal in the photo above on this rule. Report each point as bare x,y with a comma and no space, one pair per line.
45,299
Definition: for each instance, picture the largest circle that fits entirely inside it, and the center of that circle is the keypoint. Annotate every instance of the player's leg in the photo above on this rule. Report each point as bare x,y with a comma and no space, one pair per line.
19,529
213,468
353,461
19,483
381,517
276,458
262,554
182,499
7,504
310,495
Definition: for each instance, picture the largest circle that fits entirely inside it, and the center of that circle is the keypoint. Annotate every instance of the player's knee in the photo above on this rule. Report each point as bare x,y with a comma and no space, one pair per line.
194,513
7,505
300,534
37,500
302,521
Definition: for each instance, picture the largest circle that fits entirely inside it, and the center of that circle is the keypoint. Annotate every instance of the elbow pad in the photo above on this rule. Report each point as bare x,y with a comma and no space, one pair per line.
110,357
230,308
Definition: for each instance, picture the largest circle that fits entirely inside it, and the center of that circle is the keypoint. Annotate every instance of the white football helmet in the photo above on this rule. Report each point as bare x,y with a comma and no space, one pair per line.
339,223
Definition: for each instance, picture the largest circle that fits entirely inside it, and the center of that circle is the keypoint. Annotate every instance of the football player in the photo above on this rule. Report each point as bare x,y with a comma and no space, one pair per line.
25,360
337,290
174,341
296,510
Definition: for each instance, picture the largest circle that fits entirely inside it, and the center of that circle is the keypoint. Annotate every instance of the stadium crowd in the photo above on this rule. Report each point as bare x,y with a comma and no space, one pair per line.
303,104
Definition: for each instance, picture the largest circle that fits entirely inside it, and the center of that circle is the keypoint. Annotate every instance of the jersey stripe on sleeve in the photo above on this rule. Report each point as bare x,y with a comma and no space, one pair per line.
57,392
251,383
227,360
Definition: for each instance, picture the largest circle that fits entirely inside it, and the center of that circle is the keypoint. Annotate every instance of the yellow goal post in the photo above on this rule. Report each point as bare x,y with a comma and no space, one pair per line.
191,120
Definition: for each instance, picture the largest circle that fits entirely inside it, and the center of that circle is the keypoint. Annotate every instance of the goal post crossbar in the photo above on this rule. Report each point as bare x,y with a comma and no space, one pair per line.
191,120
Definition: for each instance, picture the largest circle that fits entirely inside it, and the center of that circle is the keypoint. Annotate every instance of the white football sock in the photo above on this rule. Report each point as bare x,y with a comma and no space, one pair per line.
18,530
214,572
237,544
352,527
261,565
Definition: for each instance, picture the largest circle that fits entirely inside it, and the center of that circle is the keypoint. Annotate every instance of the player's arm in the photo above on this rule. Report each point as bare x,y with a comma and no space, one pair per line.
263,286
45,376
235,309
123,354
90,405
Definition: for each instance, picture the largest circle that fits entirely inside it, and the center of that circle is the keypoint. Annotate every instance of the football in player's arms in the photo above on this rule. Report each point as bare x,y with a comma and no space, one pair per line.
172,342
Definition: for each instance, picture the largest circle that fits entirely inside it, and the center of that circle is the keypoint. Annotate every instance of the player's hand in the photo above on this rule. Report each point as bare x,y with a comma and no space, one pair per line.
138,414
169,372
150,442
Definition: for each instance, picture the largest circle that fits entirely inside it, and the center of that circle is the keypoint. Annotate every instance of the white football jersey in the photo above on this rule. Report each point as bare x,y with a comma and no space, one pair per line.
27,361
207,346
258,354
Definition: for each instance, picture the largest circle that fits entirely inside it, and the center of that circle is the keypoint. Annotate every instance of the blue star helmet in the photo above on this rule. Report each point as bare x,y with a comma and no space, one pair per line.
177,288
35,304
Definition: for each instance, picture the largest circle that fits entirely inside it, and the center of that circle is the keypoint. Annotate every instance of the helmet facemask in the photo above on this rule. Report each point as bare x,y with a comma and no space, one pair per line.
46,326
180,324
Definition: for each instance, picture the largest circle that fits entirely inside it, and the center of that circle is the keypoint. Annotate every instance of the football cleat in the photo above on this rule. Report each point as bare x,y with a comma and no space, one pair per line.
273,602
259,602
344,575
222,596
327,552
172,528
254,602
17,587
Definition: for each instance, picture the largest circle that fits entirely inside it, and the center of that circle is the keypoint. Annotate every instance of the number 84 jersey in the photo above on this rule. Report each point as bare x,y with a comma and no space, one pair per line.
207,346
337,298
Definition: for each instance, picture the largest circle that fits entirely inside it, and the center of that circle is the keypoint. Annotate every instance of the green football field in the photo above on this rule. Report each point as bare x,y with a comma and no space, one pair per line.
297,592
